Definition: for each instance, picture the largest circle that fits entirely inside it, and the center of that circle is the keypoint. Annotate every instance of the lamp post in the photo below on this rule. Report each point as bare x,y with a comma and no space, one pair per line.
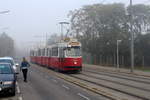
118,41
4,12
62,23
132,37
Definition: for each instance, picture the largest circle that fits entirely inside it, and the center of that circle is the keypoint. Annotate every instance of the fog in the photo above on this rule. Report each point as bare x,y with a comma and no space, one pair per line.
30,18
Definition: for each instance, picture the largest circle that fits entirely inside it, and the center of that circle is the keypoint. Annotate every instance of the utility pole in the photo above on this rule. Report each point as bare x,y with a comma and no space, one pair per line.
132,37
62,23
118,41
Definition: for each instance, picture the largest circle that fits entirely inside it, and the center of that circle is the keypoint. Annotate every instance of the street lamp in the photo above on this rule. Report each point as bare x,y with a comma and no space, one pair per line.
62,23
4,12
118,41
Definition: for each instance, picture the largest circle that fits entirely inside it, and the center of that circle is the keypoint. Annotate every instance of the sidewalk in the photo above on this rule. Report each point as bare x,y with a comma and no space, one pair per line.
123,70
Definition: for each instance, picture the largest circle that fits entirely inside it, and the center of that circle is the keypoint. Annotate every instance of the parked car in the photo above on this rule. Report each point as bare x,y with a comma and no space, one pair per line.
7,79
11,61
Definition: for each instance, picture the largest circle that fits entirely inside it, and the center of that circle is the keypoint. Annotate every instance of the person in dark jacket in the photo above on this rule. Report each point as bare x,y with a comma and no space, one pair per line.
24,67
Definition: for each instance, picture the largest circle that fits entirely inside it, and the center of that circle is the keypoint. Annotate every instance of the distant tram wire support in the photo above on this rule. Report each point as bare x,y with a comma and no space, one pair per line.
62,23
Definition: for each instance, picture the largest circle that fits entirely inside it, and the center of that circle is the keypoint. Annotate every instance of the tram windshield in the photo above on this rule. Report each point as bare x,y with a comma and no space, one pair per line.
73,52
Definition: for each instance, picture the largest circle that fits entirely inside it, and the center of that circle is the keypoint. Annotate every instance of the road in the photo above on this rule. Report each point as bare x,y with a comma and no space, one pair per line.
46,86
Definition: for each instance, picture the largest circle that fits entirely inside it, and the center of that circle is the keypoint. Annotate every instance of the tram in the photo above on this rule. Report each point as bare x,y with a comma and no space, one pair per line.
61,56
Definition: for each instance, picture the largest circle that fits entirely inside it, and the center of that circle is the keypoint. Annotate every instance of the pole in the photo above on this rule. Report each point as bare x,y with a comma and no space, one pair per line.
4,12
117,56
118,41
143,63
46,40
132,37
62,23
114,59
61,31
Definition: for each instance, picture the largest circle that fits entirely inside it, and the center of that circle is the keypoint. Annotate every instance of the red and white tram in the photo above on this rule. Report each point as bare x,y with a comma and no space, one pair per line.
63,56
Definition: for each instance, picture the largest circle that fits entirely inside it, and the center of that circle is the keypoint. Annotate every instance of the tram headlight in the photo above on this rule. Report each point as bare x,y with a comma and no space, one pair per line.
69,46
75,63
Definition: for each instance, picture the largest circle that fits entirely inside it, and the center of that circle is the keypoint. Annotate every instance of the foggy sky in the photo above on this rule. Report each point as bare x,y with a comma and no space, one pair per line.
30,18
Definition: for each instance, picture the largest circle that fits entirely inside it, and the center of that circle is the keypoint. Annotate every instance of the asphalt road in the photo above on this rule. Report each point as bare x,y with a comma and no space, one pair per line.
46,86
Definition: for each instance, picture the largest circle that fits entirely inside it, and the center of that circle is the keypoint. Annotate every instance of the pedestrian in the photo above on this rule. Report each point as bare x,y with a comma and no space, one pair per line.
24,67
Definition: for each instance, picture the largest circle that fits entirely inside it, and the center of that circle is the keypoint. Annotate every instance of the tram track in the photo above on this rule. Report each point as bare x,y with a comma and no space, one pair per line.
145,81
116,82
112,88
119,73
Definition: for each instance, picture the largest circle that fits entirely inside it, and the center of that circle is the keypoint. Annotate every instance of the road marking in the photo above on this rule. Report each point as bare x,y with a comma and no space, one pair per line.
55,80
18,89
65,87
20,98
81,95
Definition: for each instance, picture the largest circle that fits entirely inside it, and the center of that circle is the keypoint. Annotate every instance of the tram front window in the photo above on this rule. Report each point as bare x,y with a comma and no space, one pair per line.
73,52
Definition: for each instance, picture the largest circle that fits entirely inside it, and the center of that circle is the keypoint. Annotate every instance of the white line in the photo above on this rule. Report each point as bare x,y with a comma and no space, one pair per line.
20,98
81,95
55,80
16,83
18,89
65,87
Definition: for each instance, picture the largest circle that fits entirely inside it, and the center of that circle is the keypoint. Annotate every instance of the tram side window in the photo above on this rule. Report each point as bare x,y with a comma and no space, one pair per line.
39,52
61,52
47,52
43,52
31,53
55,51
50,53
36,53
